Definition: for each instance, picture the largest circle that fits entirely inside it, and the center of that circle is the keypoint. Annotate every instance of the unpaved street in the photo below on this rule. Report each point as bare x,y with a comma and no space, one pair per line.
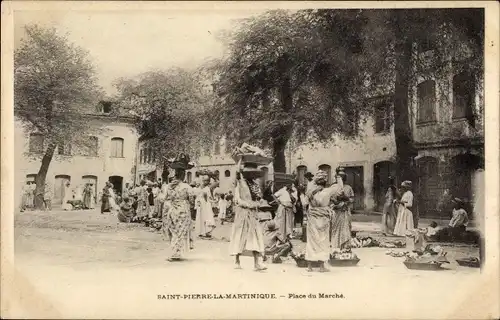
83,264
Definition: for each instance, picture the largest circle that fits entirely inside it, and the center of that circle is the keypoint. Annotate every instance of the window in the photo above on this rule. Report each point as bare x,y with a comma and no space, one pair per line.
328,171
91,147
382,117
64,149
36,143
227,173
426,92
463,95
117,148
104,107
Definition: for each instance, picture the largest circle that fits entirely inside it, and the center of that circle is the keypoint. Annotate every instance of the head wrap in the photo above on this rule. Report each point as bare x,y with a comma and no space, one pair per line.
406,184
320,175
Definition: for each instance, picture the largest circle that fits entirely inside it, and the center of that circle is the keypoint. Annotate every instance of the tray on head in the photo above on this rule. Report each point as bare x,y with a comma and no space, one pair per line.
252,158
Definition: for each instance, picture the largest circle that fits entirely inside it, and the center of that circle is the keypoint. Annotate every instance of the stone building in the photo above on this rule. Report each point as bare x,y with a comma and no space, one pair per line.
109,157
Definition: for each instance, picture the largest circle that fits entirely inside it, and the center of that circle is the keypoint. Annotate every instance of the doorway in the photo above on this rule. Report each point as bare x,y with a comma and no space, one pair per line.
60,188
381,173
117,182
93,180
355,179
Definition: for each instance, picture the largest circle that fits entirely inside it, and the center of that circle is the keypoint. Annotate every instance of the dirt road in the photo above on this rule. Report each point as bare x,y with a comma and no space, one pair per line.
83,264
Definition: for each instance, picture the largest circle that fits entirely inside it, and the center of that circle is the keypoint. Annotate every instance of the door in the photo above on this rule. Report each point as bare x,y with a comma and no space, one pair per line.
117,182
92,180
60,188
381,173
301,173
429,190
355,179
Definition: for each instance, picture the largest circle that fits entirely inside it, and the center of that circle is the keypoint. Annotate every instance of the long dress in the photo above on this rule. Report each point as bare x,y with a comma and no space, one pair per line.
105,200
404,220
319,215
389,212
112,201
176,217
87,197
67,197
205,215
246,233
341,221
285,214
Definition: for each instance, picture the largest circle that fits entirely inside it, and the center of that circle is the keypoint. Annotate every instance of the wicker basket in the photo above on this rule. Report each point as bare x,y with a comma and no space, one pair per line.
343,262
422,266
252,158
469,263
302,263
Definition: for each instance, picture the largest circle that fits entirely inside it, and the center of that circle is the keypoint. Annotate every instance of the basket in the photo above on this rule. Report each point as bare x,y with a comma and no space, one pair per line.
302,263
422,266
252,158
343,262
469,263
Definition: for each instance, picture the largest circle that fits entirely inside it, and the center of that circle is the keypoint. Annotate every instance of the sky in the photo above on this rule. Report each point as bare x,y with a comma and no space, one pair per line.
125,43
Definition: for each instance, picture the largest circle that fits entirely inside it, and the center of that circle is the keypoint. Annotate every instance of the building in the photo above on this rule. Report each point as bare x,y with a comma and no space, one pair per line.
147,168
448,130
108,157
368,161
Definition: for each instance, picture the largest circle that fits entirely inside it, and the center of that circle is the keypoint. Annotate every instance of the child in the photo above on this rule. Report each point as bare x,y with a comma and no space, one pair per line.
275,244
222,208
126,212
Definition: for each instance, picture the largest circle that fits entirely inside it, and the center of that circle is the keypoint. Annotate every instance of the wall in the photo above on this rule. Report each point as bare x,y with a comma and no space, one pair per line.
76,166
368,150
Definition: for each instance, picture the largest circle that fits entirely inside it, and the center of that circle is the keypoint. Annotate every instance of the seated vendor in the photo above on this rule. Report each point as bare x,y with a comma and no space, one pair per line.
275,244
126,213
457,226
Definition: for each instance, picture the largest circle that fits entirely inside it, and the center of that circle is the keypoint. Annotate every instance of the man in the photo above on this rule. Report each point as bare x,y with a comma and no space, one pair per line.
47,197
275,244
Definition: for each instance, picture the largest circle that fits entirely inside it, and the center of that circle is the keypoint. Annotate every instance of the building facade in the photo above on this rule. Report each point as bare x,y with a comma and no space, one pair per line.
111,156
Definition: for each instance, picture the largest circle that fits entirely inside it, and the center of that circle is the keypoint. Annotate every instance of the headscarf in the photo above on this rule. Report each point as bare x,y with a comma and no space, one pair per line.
406,184
320,175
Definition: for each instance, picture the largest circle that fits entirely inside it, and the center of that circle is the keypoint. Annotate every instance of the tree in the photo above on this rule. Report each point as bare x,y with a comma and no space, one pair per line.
54,86
171,106
281,82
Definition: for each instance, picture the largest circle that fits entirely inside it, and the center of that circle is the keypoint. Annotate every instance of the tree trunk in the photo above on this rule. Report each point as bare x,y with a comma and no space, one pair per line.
42,176
405,149
279,159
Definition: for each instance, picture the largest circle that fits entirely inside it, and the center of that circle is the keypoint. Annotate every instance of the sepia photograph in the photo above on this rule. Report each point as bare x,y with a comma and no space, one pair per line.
250,160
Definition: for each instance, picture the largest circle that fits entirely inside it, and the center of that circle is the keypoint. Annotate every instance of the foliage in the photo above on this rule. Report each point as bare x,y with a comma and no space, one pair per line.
54,87
171,105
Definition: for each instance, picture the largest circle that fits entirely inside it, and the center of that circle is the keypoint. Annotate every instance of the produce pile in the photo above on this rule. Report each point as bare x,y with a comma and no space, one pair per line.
367,242
431,254
344,254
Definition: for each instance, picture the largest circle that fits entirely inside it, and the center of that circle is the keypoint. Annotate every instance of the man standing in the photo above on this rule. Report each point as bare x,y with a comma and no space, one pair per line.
47,197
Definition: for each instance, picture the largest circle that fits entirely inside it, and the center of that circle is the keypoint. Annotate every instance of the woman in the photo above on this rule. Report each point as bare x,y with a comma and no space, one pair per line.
92,196
286,197
389,210
105,207
205,222
112,198
341,219
318,219
176,214
66,198
404,220
246,233
87,196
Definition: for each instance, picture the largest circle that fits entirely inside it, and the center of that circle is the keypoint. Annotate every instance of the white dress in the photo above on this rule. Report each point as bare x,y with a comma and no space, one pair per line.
204,215
112,200
67,196
404,220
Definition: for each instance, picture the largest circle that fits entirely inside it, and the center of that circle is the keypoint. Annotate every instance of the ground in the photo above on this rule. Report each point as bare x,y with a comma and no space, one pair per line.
84,264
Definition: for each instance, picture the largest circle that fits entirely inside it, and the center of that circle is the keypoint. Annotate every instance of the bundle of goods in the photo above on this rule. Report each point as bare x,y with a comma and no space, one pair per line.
155,223
390,244
301,261
415,239
469,262
397,254
363,242
251,154
431,258
343,258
